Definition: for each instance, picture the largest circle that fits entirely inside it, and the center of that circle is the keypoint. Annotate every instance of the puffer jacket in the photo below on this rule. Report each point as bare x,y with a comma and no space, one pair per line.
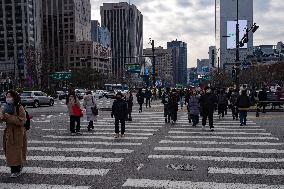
194,105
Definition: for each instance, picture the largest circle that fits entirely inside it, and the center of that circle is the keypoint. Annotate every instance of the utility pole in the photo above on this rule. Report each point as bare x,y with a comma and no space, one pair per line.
154,64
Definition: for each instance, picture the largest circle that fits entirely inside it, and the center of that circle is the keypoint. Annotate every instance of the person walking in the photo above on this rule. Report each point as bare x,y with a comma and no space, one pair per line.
140,99
129,101
148,96
119,112
194,108
90,105
222,104
174,99
262,96
207,103
181,98
243,106
234,105
14,136
75,113
166,102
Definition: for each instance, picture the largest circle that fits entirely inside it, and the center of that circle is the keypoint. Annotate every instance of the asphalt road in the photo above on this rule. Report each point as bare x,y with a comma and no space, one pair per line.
152,154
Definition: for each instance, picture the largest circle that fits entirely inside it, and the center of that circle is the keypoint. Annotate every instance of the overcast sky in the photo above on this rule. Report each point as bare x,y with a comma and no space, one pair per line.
193,22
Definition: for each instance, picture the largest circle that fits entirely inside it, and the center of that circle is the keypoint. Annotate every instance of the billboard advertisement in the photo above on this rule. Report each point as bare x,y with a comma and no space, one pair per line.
231,33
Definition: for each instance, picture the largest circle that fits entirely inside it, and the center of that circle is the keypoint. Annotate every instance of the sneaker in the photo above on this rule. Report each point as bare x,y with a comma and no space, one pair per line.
78,133
15,175
212,129
241,124
122,135
116,135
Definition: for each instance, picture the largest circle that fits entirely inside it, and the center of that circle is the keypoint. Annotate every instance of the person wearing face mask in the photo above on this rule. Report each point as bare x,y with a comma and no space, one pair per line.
207,102
119,112
89,103
74,110
14,137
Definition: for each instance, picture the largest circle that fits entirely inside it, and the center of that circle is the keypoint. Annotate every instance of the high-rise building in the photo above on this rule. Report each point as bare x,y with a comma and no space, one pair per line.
100,34
164,64
125,23
19,33
64,22
179,50
225,29
212,57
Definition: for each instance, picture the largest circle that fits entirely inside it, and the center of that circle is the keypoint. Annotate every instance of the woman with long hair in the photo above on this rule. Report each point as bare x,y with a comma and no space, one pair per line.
14,137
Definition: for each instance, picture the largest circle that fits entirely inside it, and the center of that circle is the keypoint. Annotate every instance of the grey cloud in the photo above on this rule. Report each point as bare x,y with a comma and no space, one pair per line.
183,3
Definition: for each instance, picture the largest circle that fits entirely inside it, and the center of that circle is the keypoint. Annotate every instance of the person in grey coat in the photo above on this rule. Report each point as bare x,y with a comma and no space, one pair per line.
194,108
88,103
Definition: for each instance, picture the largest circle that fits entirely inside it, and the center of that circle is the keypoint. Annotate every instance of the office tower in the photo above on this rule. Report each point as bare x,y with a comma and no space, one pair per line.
179,49
125,23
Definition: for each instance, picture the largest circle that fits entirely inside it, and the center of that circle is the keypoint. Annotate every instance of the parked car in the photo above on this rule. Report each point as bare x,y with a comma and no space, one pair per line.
98,94
80,93
61,94
36,99
110,94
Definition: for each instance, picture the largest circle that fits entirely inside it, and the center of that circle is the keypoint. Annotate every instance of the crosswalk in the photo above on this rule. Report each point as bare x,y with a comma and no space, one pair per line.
230,157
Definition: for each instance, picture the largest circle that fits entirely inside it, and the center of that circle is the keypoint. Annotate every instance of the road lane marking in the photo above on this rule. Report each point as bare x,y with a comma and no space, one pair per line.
226,138
87,150
218,143
218,129
84,143
147,183
60,171
220,159
72,159
40,186
246,171
225,150
217,133
95,137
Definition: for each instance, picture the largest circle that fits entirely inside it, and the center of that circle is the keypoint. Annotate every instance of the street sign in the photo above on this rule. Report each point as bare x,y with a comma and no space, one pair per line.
133,68
61,76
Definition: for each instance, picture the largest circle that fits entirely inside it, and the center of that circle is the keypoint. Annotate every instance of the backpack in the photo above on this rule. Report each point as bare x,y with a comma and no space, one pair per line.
27,124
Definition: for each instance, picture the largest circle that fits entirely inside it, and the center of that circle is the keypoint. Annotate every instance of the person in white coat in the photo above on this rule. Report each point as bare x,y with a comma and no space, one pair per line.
89,103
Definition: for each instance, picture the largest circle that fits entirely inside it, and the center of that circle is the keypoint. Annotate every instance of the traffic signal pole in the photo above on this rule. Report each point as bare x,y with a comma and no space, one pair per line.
237,49
154,64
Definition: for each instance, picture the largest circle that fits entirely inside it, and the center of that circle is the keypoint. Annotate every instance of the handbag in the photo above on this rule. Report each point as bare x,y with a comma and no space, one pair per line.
95,110
77,111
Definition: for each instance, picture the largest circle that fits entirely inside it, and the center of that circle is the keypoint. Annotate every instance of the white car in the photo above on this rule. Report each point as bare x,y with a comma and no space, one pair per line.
98,94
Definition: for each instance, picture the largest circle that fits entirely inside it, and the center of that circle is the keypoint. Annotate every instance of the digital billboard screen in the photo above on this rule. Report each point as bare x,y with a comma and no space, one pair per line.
231,33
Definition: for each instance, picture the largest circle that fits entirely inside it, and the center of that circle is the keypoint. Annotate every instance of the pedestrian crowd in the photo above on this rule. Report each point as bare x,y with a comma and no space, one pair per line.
198,102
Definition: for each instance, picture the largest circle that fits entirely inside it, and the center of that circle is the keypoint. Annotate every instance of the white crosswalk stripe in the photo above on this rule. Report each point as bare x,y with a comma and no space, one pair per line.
40,186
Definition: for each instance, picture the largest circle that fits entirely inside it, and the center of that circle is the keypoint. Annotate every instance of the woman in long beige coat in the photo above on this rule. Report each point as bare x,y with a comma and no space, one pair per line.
14,138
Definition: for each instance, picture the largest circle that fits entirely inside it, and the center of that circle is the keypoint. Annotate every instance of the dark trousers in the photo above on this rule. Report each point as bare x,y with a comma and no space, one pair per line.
243,117
16,169
195,119
210,117
174,115
91,124
140,108
73,120
221,109
122,121
148,102
235,112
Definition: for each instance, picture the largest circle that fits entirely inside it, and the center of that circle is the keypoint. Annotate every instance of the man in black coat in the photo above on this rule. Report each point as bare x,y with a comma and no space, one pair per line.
207,103
119,111
262,96
140,99
243,103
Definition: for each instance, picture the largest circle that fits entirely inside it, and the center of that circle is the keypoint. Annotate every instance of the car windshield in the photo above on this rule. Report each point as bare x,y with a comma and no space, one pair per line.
26,94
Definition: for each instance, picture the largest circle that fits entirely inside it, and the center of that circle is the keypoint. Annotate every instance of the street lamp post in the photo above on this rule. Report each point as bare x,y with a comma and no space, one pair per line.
237,48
